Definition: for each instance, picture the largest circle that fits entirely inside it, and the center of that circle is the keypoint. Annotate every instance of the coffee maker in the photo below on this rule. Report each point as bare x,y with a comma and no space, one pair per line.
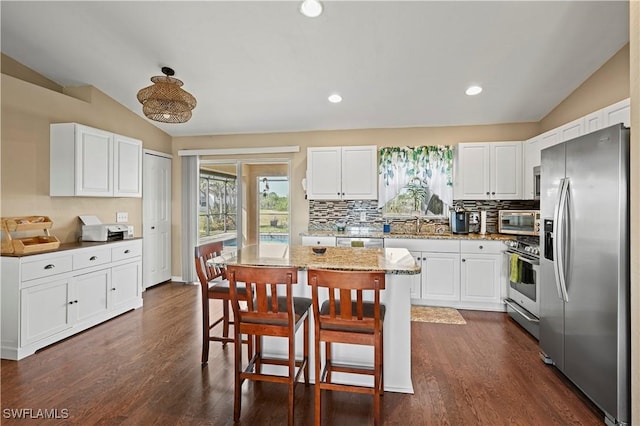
459,221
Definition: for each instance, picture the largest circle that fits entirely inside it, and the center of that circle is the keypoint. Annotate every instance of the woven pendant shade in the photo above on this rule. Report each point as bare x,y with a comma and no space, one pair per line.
165,101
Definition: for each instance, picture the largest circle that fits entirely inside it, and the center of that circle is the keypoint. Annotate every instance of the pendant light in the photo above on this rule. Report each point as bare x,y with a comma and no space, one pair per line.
165,101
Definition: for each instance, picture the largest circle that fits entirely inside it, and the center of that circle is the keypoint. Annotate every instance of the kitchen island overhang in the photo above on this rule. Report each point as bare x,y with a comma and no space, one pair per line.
400,270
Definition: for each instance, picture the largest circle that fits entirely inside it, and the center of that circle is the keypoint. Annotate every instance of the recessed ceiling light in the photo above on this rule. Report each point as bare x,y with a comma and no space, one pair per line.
473,90
335,98
311,8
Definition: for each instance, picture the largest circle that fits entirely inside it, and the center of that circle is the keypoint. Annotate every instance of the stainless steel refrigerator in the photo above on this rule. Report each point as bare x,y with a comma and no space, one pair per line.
584,286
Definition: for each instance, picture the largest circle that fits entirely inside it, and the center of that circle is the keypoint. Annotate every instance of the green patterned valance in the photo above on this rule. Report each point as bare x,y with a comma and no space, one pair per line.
429,167
419,161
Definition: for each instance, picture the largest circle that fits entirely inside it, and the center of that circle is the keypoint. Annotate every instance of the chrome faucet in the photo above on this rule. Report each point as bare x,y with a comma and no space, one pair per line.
417,224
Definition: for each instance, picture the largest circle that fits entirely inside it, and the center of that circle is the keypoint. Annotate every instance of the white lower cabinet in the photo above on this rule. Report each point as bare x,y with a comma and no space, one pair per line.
483,278
50,296
126,285
465,274
440,277
46,310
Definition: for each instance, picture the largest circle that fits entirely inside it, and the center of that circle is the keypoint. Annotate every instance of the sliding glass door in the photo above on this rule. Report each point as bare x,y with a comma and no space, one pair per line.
244,202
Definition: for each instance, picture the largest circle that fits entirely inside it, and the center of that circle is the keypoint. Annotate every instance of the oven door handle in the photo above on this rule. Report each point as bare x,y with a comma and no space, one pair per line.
524,259
516,308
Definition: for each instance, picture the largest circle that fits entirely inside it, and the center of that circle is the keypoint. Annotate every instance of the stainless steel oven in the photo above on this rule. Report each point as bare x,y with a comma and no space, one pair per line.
523,301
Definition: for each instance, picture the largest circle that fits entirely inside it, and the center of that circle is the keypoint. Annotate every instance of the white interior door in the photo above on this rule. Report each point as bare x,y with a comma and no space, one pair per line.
156,219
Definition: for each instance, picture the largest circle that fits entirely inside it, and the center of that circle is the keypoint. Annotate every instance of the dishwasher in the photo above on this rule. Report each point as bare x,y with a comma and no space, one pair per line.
360,242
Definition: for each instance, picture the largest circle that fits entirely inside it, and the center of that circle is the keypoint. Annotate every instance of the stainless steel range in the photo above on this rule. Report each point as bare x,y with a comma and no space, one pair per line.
523,301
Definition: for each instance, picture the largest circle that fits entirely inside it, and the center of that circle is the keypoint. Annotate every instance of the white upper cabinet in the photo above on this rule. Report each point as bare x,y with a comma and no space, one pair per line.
571,130
488,171
342,173
127,167
593,121
89,162
620,112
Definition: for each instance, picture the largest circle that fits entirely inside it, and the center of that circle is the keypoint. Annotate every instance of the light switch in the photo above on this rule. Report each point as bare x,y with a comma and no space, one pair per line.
122,217
363,216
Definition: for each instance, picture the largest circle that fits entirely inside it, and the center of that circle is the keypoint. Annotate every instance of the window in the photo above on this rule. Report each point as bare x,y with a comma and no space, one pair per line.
217,211
273,204
415,181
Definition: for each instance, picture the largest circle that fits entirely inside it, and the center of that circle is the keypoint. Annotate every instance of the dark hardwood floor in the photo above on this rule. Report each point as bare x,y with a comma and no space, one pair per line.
144,368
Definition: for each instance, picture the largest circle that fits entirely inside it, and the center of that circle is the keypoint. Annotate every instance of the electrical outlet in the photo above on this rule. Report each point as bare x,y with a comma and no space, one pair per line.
363,216
122,217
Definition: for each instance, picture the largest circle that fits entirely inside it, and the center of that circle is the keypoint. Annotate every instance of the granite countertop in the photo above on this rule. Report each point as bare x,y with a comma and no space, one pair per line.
391,260
71,246
422,235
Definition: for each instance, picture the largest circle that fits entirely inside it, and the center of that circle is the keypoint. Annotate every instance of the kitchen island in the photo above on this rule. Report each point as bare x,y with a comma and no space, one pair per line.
399,266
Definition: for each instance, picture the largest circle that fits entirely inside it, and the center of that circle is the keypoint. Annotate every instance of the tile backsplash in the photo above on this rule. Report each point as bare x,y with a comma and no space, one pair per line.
323,215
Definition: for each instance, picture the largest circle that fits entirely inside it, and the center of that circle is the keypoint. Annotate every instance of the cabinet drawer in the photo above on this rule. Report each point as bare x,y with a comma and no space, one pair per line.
46,268
424,244
88,258
482,247
319,241
126,251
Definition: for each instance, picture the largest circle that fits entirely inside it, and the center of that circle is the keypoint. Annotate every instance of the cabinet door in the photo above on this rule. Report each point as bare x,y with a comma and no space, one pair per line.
550,138
416,280
593,121
620,112
324,166
45,310
91,295
472,171
480,278
126,285
571,130
441,276
127,172
359,173
531,159
506,170
93,162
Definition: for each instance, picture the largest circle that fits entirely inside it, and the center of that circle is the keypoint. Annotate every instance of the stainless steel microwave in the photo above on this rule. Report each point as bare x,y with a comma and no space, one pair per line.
519,222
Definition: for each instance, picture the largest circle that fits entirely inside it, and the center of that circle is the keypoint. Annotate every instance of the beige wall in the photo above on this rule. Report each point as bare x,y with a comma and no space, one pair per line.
379,137
27,111
28,107
634,26
608,85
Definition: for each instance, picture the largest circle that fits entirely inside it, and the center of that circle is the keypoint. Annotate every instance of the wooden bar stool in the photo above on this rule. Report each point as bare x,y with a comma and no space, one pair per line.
269,312
341,319
214,285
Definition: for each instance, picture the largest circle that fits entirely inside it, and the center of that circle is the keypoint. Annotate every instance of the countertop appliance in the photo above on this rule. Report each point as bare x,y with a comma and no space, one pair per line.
94,230
459,222
519,222
584,293
523,290
359,242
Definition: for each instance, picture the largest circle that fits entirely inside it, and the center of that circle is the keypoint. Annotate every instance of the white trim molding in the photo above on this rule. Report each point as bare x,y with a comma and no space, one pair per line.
157,153
240,151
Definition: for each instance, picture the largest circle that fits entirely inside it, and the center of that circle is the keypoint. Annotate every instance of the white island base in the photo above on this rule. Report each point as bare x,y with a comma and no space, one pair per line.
397,340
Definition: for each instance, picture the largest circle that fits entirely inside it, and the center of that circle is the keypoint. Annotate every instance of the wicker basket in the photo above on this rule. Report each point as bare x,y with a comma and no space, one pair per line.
29,244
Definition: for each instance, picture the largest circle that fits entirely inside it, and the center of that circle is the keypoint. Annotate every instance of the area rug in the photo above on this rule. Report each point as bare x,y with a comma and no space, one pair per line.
436,315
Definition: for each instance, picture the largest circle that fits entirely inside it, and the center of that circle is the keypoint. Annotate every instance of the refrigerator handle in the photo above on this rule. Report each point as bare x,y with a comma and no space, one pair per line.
560,249
554,239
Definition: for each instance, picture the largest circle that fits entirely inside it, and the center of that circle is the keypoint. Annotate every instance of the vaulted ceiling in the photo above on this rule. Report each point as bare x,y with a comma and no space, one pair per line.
263,67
